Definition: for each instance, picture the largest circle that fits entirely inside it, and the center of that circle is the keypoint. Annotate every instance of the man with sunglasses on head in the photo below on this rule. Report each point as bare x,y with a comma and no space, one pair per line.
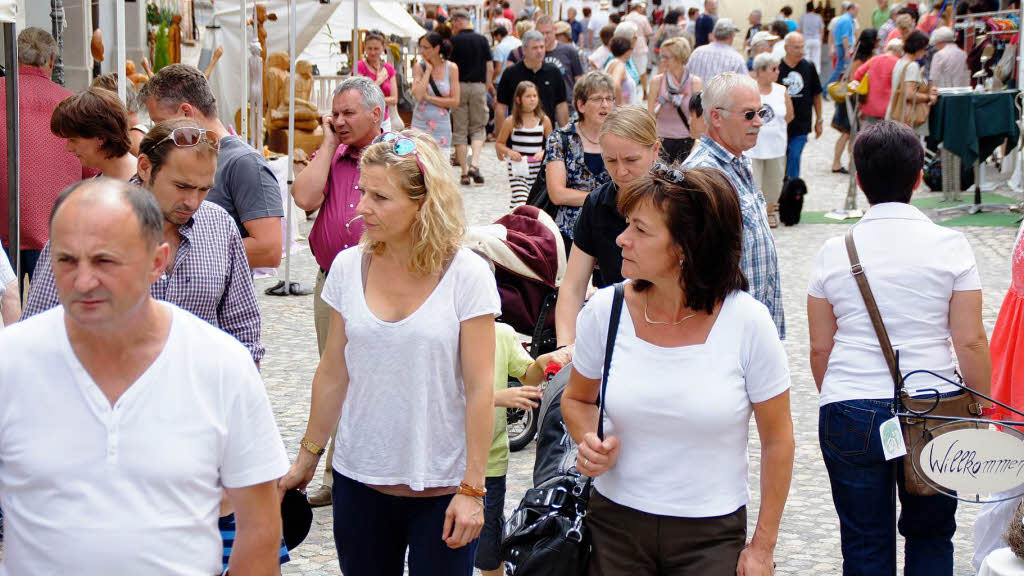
245,186
733,115
125,418
328,184
207,273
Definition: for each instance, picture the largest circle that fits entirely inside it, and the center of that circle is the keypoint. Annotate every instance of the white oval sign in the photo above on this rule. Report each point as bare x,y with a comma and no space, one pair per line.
974,461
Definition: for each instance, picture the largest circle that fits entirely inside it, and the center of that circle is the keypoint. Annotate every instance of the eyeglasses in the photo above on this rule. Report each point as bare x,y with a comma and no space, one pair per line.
602,99
188,136
765,113
401,146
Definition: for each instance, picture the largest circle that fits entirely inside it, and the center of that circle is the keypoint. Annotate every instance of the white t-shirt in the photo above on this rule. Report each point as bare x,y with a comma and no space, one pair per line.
771,139
404,417
914,266
133,488
682,414
7,276
600,56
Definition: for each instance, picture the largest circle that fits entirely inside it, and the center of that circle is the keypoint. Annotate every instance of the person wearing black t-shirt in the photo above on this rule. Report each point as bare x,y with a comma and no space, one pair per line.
629,139
801,81
471,52
550,86
705,24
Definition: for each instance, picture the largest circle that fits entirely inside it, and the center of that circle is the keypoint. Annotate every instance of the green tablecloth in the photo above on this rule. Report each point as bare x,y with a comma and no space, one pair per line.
961,121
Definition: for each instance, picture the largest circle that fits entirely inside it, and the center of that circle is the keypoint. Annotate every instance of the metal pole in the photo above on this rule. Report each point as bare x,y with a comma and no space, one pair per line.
292,56
13,148
57,27
243,116
120,59
356,52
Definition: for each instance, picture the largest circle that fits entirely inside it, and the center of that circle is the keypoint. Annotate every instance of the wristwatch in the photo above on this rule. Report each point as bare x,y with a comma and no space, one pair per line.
312,447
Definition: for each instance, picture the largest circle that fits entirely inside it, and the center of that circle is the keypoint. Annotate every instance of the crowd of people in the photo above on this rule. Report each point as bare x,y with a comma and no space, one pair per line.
135,431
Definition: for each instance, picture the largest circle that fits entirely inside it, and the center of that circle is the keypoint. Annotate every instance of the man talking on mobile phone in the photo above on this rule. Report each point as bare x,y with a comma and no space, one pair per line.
328,184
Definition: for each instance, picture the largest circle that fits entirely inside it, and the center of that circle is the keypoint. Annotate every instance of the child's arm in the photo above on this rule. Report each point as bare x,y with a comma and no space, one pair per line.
500,148
535,373
547,131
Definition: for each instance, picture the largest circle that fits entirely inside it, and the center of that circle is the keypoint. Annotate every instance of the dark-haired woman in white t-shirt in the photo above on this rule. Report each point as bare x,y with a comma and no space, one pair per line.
694,356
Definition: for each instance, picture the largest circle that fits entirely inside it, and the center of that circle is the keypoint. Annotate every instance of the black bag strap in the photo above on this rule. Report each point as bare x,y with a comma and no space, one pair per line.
433,85
613,329
679,110
876,317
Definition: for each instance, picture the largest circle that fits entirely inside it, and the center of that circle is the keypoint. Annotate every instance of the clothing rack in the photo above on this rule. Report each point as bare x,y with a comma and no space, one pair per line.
970,23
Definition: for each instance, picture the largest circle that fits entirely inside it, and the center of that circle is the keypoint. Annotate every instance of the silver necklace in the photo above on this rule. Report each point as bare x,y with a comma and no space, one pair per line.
655,322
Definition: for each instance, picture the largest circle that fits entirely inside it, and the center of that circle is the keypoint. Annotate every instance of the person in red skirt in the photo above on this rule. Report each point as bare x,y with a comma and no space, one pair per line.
1008,340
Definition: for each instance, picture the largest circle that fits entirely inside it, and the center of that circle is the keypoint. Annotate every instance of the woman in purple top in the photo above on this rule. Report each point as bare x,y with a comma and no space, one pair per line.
376,68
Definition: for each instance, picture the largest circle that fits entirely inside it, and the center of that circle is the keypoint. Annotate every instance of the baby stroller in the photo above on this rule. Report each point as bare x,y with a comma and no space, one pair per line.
525,247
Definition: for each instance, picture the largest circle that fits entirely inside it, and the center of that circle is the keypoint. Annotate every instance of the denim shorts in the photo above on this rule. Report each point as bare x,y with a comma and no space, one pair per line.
487,552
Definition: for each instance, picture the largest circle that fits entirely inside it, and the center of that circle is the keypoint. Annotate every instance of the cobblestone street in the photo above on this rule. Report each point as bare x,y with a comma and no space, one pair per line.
809,542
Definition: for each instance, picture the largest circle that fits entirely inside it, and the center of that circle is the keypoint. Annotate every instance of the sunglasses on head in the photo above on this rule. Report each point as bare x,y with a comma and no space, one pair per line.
401,146
188,136
765,113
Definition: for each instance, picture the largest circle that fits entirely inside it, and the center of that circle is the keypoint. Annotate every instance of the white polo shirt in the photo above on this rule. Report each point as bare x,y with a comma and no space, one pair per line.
133,488
914,266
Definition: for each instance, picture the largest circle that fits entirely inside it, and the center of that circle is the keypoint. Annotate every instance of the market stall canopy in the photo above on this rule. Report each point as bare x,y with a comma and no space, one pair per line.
8,11
318,27
388,16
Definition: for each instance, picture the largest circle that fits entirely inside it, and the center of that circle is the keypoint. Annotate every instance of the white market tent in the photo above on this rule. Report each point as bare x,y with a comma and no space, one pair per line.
317,25
385,15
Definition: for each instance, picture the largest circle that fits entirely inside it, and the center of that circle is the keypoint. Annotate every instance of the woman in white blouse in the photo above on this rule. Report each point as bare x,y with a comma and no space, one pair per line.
694,356
408,368
925,281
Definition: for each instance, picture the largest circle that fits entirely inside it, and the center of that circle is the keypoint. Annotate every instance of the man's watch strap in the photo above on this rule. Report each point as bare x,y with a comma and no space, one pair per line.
313,447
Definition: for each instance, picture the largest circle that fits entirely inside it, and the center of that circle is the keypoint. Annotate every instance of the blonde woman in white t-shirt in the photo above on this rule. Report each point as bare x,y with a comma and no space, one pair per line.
695,355
408,367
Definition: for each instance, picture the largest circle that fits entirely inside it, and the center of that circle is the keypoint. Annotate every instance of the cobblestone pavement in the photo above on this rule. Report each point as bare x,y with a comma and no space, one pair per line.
809,541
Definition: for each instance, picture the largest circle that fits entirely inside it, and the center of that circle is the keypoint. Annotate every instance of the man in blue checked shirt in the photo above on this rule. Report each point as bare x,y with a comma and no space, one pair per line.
208,273
733,114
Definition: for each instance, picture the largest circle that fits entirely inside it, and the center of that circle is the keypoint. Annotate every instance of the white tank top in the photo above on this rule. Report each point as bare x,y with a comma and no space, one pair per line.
771,140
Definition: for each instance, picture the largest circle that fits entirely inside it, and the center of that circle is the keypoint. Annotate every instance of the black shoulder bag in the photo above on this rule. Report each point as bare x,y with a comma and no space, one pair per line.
546,535
538,195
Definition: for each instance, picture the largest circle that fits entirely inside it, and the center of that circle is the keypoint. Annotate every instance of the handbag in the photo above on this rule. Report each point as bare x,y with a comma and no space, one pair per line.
918,113
915,432
837,91
538,195
547,534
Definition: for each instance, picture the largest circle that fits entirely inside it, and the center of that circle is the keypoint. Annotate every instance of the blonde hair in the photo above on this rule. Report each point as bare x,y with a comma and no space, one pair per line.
632,122
439,226
522,26
678,48
905,22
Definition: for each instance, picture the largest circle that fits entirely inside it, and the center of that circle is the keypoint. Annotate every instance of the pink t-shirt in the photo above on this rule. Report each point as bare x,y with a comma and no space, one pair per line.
334,229
879,71
364,70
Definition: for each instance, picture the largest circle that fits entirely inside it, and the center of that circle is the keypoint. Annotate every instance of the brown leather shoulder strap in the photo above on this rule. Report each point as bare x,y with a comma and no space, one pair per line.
869,301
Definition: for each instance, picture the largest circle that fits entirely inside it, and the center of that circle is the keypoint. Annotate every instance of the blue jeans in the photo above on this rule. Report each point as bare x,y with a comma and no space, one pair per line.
840,63
372,532
793,153
861,482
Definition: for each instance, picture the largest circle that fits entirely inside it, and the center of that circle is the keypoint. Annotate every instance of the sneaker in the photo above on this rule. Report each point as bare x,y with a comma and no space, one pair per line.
319,497
478,178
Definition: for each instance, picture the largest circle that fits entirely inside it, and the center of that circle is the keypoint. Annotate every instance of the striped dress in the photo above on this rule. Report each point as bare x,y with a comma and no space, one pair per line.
526,141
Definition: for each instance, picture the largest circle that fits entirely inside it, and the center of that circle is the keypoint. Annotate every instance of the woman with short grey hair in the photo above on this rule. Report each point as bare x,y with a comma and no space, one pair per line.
768,156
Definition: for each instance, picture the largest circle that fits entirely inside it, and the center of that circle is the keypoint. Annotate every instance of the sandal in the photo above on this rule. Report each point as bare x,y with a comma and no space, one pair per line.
840,170
464,180
478,178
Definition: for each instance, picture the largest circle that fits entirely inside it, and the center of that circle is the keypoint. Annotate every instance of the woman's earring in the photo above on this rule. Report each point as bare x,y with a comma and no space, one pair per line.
681,262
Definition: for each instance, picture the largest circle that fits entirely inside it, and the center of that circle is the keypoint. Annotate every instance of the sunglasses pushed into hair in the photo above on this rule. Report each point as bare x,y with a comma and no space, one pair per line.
401,146
189,136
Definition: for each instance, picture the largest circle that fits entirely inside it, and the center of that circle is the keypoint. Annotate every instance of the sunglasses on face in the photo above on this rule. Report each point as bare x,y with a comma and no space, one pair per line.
401,146
188,136
765,113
